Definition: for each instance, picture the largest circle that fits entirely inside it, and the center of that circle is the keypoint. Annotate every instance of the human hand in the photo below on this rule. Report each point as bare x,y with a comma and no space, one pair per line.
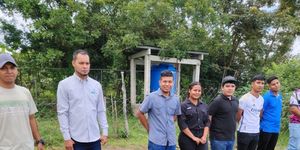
103,140
69,144
40,146
203,140
197,140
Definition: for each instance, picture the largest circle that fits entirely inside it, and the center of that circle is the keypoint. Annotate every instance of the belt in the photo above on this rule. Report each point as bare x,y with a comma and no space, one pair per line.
197,129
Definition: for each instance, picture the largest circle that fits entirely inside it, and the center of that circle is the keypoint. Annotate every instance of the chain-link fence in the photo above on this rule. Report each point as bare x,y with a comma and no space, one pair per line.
43,85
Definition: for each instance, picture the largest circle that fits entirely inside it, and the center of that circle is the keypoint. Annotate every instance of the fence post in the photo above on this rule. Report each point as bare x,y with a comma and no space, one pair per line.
116,116
124,105
113,114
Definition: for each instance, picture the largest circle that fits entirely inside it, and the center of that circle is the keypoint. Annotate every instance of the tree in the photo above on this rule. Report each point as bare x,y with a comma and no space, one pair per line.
251,38
239,36
288,72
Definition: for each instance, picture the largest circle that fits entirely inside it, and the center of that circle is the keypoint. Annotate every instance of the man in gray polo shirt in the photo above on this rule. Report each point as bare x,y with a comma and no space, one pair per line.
162,107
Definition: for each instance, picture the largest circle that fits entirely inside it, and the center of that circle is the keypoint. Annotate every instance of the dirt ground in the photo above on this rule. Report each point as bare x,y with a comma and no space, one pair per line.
123,148
108,147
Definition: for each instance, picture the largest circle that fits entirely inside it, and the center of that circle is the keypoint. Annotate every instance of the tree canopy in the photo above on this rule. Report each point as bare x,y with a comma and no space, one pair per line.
240,36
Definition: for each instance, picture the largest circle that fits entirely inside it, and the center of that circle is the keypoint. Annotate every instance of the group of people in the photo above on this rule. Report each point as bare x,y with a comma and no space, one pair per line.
82,113
258,117
80,108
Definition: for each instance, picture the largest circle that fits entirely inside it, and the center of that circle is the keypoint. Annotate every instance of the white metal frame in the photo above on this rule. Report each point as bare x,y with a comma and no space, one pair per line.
145,58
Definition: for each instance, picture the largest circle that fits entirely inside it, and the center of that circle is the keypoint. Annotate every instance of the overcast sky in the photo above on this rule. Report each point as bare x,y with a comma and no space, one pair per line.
296,46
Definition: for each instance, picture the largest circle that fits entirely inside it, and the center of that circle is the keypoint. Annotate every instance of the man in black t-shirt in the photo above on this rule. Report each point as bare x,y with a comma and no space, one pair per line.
222,113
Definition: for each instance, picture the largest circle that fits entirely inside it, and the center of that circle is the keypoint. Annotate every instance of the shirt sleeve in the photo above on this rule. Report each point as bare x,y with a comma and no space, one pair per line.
293,100
182,118
146,105
242,102
266,102
102,113
62,111
212,108
178,108
32,106
206,120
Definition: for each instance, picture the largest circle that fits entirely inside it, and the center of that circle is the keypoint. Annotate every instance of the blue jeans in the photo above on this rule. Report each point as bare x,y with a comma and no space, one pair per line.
221,145
87,146
294,141
152,146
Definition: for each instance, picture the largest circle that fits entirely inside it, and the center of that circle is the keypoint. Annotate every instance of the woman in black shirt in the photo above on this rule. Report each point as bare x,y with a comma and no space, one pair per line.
193,122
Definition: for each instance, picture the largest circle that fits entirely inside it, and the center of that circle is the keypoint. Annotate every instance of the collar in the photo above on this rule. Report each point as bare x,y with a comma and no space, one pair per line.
188,101
272,93
4,88
225,97
259,95
161,93
79,79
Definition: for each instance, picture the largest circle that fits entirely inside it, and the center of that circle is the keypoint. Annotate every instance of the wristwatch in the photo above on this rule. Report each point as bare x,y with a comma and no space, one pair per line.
40,141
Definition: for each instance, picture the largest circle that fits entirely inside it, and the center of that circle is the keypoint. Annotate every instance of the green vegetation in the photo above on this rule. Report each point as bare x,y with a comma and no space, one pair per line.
49,130
283,140
137,139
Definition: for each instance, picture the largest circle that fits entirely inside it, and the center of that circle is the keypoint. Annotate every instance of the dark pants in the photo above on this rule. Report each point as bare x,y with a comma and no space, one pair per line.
247,141
267,141
186,143
87,146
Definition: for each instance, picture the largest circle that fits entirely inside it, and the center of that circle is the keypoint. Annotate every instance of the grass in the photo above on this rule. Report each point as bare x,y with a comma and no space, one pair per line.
49,130
283,140
137,139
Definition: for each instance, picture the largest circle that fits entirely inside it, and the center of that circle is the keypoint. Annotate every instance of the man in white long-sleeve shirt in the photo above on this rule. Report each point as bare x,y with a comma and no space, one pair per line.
80,107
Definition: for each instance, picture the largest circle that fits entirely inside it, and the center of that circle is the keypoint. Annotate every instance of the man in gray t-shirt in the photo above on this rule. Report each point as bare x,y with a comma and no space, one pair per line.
162,107
18,128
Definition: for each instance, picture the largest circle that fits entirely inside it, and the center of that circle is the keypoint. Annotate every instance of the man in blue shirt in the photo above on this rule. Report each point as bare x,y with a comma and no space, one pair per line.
270,121
81,108
162,107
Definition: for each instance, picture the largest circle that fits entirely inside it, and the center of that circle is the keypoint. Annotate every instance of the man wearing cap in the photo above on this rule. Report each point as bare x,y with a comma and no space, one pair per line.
18,126
270,121
250,110
222,112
